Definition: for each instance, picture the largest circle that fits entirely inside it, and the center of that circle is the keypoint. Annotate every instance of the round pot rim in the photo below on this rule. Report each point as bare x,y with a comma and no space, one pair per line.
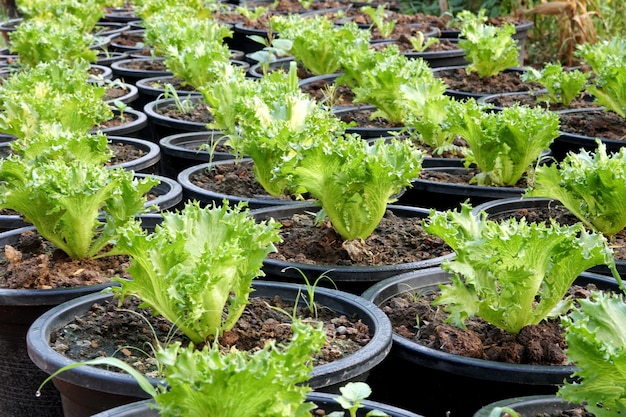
152,156
350,366
458,364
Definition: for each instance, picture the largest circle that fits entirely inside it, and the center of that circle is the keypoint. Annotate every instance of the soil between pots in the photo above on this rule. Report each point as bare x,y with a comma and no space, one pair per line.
127,332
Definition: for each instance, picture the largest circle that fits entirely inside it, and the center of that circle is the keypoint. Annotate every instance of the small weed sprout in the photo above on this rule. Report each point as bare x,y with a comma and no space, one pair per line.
311,287
420,43
379,17
185,105
351,399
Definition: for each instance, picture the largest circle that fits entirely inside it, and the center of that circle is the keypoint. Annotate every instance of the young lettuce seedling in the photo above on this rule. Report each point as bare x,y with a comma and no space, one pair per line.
488,49
592,186
382,83
54,92
48,40
504,145
351,399
354,181
606,59
512,273
380,18
197,267
72,199
267,383
562,86
317,42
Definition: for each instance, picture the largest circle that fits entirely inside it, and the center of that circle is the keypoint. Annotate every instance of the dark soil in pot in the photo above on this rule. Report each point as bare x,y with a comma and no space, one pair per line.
198,113
35,263
361,118
233,179
594,124
124,152
396,240
109,330
541,344
458,79
327,92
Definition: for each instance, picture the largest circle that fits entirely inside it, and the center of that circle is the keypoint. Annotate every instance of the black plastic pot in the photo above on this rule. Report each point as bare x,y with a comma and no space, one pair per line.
445,196
129,97
531,405
573,142
183,150
19,377
122,69
323,400
450,376
147,163
88,390
168,194
513,207
161,125
366,132
134,125
352,278
465,94
192,191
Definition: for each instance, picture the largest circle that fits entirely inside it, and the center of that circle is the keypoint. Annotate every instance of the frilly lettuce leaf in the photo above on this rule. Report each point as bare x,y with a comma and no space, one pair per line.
595,333
197,267
512,273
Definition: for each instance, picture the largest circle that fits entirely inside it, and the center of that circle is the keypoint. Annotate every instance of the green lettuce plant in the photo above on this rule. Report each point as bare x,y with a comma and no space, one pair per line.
594,333
591,185
503,145
48,40
268,383
607,61
354,181
489,49
84,14
380,19
72,199
190,46
271,121
317,43
562,85
511,273
51,92
383,83
197,267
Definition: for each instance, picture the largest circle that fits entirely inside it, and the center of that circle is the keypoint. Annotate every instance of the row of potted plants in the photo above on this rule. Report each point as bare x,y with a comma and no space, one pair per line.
262,112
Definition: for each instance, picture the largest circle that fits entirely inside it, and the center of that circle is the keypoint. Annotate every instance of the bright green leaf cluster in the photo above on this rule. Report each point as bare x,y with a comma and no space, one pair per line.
511,273
190,46
317,42
197,267
84,14
51,92
592,186
354,181
562,86
488,49
267,383
47,40
595,333
76,204
608,62
382,83
504,145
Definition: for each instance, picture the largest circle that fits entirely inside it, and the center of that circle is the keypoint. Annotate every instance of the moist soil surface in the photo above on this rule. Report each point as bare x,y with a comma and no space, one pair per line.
194,111
124,152
396,240
541,344
459,80
127,332
35,263
535,100
594,124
